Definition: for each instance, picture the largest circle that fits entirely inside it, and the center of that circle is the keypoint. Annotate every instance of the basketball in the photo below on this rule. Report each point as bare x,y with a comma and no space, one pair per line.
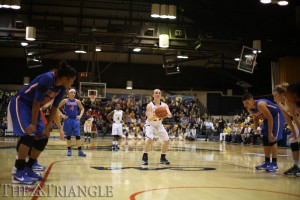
161,111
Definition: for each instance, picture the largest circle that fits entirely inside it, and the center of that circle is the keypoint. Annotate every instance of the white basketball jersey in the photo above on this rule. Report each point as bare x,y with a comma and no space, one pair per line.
286,108
155,121
118,114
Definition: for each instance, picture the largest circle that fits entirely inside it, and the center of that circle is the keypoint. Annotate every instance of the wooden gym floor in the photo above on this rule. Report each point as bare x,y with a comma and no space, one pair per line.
198,170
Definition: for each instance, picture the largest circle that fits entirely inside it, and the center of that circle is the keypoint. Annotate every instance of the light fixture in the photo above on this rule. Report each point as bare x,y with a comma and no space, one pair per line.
172,12
137,49
279,2
5,3
164,40
30,33
164,11
24,44
98,48
265,1
129,85
155,10
182,55
15,4
81,50
282,3
257,46
237,59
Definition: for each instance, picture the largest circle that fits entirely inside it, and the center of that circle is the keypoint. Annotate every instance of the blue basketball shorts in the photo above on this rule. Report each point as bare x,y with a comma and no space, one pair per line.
71,127
21,117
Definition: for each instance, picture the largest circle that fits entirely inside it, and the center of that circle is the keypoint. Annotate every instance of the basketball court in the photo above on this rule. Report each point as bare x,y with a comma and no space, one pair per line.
198,170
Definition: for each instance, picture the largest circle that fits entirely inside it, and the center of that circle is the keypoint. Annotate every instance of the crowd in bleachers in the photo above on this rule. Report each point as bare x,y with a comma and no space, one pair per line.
4,100
189,122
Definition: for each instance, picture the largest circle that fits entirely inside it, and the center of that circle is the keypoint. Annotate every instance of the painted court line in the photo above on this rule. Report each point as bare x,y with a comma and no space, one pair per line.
133,196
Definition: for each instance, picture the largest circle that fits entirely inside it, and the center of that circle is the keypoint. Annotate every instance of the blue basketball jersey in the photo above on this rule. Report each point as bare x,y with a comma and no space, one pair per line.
272,107
42,89
278,119
71,108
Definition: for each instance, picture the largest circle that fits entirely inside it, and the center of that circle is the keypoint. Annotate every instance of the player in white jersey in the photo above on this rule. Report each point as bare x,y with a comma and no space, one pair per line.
118,117
154,126
290,117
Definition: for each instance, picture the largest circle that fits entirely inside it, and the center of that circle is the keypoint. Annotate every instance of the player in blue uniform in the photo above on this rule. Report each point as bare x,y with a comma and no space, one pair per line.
26,120
71,123
273,121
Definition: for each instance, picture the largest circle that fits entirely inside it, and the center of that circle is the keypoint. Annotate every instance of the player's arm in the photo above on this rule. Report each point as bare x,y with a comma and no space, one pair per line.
81,109
58,124
149,113
289,122
34,117
43,85
52,115
262,107
39,97
255,121
60,105
124,117
109,116
292,109
169,114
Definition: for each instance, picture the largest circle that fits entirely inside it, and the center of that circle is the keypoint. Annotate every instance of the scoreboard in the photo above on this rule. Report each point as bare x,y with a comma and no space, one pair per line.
84,76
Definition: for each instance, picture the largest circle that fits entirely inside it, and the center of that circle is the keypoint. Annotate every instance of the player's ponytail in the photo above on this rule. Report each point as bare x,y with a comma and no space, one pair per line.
281,88
65,70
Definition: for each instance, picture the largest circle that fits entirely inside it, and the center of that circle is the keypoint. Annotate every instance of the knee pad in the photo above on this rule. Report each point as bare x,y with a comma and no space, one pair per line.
40,144
68,137
265,141
77,137
272,143
295,146
26,140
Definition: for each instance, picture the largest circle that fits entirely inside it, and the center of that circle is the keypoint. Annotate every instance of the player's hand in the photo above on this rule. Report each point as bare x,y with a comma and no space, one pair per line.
271,138
78,117
162,117
65,117
293,138
30,129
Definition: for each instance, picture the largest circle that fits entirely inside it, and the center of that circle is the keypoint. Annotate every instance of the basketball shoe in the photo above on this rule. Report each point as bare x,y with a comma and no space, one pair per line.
263,166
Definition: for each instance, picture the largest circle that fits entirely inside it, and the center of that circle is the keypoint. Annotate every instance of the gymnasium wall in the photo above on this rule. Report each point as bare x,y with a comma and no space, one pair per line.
289,69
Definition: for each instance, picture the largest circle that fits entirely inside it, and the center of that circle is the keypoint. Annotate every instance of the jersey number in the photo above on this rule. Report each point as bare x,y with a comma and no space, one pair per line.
72,107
